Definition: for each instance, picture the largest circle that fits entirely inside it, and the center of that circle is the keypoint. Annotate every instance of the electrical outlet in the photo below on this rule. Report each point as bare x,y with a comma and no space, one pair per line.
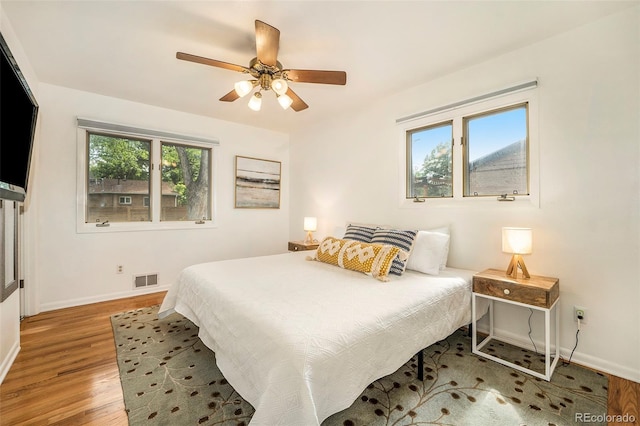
580,312
119,269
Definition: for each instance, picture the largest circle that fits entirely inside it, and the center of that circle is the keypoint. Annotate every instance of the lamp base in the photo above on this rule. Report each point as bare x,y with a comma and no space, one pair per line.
517,262
309,239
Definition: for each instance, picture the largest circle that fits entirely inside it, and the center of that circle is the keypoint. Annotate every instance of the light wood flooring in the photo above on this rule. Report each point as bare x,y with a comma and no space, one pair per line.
66,371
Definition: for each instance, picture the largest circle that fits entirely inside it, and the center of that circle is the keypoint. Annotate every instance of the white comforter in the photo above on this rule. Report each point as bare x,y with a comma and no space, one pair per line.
300,340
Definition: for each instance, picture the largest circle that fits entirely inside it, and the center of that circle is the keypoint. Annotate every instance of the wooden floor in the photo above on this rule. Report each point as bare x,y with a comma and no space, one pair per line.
66,371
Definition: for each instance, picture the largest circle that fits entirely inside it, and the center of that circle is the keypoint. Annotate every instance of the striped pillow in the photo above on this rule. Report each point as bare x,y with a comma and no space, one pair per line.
359,233
401,239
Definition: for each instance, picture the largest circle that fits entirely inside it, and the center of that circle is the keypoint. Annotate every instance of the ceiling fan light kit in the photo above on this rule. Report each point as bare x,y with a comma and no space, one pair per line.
268,73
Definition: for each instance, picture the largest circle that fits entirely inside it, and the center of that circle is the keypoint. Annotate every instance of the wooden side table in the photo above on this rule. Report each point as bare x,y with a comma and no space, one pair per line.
539,293
301,246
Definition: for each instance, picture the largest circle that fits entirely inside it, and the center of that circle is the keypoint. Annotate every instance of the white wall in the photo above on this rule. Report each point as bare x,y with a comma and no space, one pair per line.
72,269
586,228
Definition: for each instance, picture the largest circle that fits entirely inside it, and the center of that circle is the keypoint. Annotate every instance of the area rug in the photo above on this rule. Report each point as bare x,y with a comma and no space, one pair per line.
170,378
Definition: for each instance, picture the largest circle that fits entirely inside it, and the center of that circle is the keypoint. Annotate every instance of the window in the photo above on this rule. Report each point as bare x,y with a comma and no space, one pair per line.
429,161
149,182
118,167
496,152
185,183
478,149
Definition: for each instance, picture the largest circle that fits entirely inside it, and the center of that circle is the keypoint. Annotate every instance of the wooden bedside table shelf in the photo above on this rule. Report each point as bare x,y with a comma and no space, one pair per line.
538,293
302,246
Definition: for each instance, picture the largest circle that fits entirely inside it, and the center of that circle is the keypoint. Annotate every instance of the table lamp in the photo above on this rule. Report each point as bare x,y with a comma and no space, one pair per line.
517,241
310,225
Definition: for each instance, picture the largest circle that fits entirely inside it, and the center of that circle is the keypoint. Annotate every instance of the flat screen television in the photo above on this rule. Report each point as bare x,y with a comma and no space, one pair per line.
18,115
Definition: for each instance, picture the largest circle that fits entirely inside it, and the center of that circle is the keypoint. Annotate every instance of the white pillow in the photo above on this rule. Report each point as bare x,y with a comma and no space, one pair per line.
445,254
339,231
430,252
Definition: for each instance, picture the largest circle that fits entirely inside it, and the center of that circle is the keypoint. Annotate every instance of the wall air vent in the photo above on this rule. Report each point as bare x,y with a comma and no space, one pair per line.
140,281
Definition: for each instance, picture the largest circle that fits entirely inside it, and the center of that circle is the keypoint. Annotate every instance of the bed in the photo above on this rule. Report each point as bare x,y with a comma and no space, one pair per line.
300,340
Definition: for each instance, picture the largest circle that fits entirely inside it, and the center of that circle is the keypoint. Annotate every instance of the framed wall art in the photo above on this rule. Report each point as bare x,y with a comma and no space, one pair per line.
257,183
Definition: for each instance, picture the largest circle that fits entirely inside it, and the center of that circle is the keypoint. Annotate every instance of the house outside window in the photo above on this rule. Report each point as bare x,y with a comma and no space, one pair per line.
496,153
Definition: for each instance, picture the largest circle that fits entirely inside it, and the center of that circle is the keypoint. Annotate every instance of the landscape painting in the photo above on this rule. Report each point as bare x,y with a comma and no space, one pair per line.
257,183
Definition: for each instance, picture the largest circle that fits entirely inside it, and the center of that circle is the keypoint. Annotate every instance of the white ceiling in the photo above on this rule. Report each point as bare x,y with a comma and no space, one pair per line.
126,49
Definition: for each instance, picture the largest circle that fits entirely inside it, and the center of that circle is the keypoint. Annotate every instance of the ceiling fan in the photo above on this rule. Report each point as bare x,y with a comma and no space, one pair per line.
268,73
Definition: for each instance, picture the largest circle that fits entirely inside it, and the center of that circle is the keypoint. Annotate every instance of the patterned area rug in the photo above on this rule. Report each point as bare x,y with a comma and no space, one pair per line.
170,378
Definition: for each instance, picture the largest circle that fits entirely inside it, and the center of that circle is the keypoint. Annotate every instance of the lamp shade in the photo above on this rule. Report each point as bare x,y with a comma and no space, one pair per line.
285,101
280,86
243,87
255,102
310,223
517,240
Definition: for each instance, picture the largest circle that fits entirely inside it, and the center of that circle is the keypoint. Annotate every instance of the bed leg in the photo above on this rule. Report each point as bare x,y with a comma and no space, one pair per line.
470,328
420,366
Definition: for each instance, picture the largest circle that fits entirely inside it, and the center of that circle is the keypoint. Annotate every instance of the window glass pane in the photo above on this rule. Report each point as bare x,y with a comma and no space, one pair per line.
118,179
186,192
430,161
497,152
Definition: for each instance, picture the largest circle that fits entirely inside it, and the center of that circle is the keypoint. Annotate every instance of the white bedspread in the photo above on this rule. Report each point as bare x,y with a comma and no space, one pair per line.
300,340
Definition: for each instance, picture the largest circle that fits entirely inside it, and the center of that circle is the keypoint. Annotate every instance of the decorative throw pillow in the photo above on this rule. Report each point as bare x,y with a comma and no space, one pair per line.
445,250
359,233
401,239
371,259
429,252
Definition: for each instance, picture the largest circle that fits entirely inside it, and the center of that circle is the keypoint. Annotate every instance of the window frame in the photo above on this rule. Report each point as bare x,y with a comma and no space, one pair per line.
409,156
456,114
164,142
155,182
465,147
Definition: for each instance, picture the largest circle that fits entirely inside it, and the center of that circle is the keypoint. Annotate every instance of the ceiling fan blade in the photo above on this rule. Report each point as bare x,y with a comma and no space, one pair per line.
315,76
298,104
230,97
212,62
267,43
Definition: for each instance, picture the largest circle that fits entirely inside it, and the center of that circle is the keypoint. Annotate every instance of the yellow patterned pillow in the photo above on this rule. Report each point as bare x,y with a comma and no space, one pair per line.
372,259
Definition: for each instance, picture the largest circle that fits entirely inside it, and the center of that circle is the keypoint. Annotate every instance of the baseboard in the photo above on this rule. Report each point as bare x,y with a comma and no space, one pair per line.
8,361
585,360
101,298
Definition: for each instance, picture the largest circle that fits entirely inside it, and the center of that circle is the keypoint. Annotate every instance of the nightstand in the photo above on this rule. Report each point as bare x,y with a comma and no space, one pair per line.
537,293
301,246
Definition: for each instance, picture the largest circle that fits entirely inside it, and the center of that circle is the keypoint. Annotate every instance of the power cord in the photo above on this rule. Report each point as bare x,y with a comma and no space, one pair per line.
530,338
565,363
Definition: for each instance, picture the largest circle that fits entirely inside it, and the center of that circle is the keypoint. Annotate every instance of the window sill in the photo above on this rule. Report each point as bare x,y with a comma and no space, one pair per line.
521,201
91,228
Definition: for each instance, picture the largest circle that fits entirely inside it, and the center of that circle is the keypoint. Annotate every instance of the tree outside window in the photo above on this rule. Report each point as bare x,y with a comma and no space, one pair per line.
186,169
431,162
